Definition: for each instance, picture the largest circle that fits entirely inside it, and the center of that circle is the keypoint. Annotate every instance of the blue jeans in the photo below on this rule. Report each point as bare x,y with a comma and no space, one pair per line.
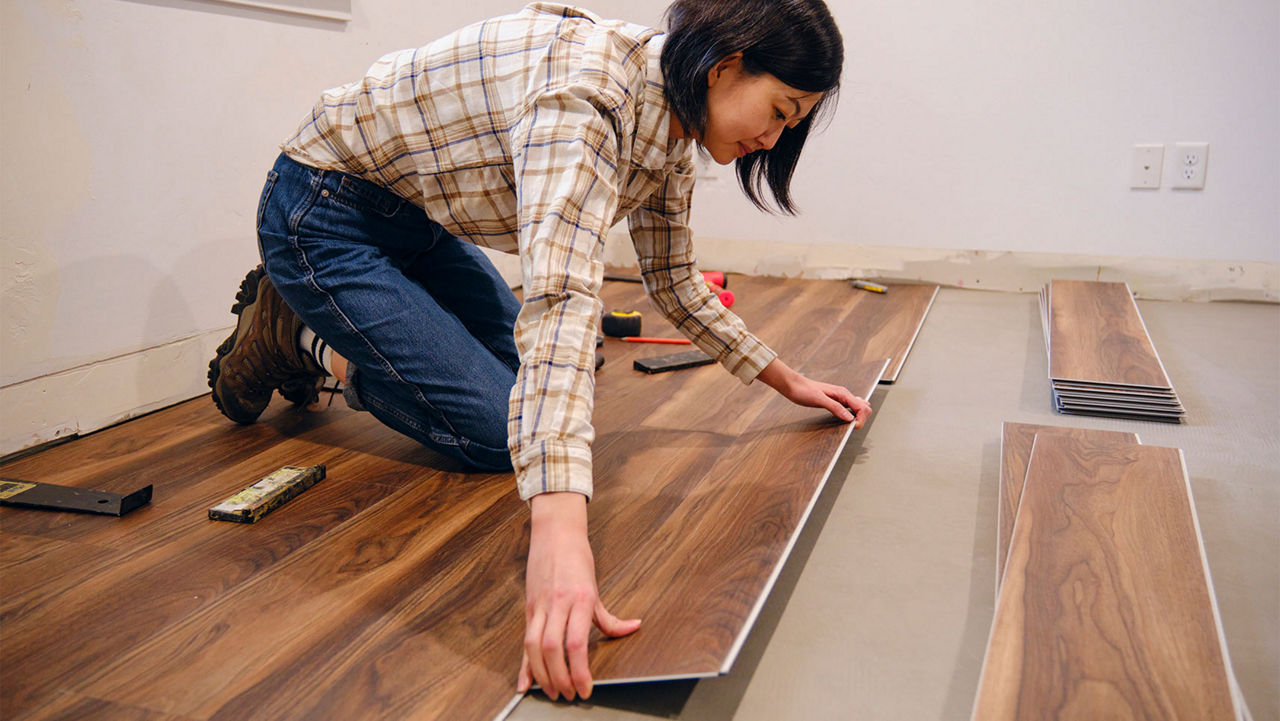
423,318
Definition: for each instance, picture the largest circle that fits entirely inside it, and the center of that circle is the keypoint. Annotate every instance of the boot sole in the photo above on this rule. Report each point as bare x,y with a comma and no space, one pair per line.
246,296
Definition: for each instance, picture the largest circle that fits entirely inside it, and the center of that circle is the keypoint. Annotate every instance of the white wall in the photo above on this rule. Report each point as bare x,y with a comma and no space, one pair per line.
136,133
999,125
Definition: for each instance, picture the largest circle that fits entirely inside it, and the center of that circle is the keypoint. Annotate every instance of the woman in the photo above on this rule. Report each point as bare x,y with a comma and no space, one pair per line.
531,134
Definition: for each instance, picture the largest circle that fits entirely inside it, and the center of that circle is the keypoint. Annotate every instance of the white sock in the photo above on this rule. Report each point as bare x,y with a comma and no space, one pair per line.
313,345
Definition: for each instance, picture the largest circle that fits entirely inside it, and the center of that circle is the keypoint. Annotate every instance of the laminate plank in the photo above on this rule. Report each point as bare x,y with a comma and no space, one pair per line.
1069,386
651,461
1015,450
1105,398
889,323
889,326
106,601
730,408
73,707
695,569
1119,405
43,566
1097,335
699,576
1116,391
1120,415
187,454
1106,610
386,618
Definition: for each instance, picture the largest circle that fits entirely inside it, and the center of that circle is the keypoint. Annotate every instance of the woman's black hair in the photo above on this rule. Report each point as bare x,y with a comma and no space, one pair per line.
796,41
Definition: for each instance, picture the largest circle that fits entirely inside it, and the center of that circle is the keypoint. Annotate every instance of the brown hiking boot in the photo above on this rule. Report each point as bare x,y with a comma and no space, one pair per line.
261,355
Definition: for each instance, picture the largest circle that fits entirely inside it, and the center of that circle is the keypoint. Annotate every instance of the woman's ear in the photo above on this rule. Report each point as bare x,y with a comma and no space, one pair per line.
731,64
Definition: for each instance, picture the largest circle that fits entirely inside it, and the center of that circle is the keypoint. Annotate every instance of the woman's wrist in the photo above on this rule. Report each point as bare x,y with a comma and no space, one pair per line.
558,510
777,375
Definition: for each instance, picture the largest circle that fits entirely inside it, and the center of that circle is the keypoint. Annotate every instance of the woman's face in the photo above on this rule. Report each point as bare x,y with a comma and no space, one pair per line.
748,112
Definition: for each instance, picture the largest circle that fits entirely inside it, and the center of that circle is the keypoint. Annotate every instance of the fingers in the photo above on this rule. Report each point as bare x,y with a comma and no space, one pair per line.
523,679
863,410
533,651
552,650
851,407
575,647
556,651
838,409
838,400
610,625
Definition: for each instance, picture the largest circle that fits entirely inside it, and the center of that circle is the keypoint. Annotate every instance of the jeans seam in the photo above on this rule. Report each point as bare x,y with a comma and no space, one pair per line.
450,439
295,223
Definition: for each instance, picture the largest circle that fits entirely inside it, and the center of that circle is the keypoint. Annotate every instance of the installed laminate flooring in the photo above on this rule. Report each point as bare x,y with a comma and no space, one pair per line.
1105,610
393,588
891,321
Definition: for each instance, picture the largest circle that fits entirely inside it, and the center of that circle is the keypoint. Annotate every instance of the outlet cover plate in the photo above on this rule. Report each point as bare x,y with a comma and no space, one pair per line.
1148,162
1190,161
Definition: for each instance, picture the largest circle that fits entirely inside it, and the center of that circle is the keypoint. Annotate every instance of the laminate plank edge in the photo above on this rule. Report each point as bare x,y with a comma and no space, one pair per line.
900,359
866,393
716,587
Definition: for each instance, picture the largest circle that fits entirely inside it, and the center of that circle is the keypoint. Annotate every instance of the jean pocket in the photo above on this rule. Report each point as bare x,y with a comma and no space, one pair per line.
272,176
366,197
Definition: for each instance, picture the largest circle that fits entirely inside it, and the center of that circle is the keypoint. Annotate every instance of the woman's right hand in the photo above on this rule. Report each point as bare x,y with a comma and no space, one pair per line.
561,599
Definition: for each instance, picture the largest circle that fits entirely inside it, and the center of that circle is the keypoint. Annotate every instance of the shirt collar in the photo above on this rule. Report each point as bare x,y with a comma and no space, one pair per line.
659,150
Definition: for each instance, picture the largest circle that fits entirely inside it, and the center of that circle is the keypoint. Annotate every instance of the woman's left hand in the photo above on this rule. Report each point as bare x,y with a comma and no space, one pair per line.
840,401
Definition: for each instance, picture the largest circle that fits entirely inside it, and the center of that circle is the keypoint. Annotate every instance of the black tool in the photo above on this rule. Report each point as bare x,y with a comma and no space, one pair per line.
50,497
673,361
621,323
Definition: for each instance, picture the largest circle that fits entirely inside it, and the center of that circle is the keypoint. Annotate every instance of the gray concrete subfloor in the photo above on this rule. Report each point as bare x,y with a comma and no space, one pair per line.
884,609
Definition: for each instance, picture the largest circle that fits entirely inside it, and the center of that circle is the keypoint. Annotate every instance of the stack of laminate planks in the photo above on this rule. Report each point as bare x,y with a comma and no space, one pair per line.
1101,359
1105,607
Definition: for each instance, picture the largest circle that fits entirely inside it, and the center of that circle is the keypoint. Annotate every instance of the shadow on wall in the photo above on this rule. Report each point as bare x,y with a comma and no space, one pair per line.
82,324
339,11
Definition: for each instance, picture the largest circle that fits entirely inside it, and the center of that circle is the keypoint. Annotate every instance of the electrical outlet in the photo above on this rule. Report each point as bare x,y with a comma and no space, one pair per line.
1191,159
1148,162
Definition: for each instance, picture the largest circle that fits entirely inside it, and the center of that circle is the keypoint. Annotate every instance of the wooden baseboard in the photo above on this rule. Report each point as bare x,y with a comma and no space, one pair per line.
93,396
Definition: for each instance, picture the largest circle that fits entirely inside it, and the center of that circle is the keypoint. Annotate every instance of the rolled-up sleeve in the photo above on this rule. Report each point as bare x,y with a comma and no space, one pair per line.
566,166
663,243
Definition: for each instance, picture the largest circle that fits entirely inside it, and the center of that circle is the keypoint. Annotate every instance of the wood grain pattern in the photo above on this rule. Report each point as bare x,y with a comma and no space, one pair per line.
1096,334
1015,451
888,323
394,587
675,537
1105,610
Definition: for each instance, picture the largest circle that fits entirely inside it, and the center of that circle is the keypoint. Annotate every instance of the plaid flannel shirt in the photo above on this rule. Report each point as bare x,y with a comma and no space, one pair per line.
534,133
